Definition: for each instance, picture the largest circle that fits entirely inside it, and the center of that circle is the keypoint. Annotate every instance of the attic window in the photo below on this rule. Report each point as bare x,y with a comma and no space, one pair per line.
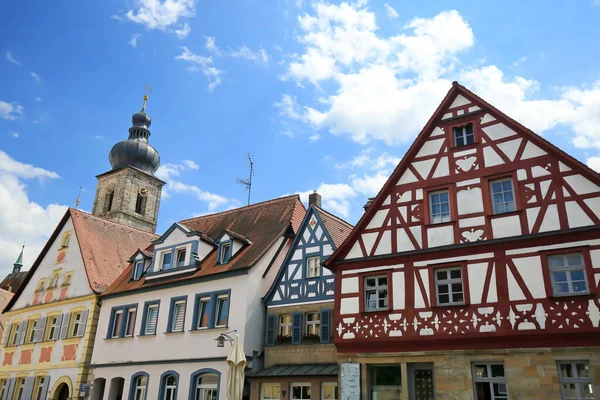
181,257
138,269
66,239
224,253
463,135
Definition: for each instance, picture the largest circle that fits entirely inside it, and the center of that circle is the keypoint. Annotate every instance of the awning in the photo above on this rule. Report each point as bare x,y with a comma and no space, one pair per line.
296,370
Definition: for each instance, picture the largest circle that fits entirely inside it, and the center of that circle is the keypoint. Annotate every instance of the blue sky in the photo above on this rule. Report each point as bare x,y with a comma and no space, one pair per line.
325,95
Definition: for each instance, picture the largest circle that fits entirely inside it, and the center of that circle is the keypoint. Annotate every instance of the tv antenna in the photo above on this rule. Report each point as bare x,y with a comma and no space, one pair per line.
248,182
78,199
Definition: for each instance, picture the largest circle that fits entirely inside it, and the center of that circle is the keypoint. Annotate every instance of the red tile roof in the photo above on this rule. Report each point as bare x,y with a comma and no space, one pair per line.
338,228
5,297
13,281
261,223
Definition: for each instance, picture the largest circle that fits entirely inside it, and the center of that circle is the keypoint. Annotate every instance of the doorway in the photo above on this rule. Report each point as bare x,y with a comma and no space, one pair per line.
420,381
62,393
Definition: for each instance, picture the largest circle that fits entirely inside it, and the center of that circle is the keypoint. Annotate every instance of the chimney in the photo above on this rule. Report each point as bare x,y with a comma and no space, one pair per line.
314,199
368,204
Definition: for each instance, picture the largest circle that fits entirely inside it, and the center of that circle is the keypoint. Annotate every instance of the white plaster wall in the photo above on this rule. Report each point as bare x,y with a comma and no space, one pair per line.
399,291
440,236
469,201
350,285
349,305
506,226
73,262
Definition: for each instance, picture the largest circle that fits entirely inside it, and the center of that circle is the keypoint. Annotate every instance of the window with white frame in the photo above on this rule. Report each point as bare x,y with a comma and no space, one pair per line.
285,325
330,391
503,196
449,286
206,387
181,257
20,390
376,293
313,267
151,319
76,323
313,324
38,388
439,207
167,259
53,328
463,135
567,273
222,310
138,270
490,381
117,320
203,313
33,331
178,317
224,253
270,391
3,388
170,389
575,380
15,334
141,385
130,322
300,391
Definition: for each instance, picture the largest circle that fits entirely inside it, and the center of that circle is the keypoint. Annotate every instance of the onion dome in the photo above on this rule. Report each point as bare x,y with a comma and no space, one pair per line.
136,151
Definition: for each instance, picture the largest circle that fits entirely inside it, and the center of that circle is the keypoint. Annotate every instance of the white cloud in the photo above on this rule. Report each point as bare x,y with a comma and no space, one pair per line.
164,15
15,134
289,107
23,221
170,174
366,160
245,52
518,62
38,99
314,138
211,45
99,137
204,64
594,163
10,111
36,77
389,10
134,39
118,18
336,197
12,59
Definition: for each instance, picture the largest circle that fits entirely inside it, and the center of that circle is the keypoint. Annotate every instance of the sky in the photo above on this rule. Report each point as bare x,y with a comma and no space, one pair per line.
325,96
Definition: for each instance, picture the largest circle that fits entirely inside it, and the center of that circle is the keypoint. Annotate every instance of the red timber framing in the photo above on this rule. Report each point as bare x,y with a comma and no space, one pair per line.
508,294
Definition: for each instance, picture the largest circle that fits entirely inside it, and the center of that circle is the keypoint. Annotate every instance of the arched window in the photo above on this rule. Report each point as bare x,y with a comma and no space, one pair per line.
108,200
66,239
140,202
204,384
139,386
168,385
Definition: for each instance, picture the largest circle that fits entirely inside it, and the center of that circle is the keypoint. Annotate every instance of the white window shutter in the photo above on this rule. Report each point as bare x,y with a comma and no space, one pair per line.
39,335
64,329
45,387
7,335
22,332
28,389
58,326
10,387
82,323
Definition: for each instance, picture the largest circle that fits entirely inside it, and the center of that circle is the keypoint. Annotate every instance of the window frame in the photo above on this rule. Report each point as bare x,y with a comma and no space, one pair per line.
133,386
218,305
115,328
378,287
54,279
38,387
49,335
32,330
489,379
300,384
568,269
370,368
20,388
464,134
280,325
75,323
316,324
430,205
203,304
272,384
130,318
197,374
178,252
124,311
225,252
588,271
510,179
145,320
163,254
175,301
14,334
576,380
327,384
163,385
317,268
449,282
460,121
137,274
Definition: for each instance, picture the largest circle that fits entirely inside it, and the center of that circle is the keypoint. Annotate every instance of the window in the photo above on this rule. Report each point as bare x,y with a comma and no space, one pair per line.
490,382
166,260
177,316
138,270
66,239
3,388
40,286
575,380
449,286
33,331
140,386
285,325
140,203
108,200
269,391
385,382
181,257
130,322
38,390
67,279
54,279
203,313
15,333
330,391
376,293
53,328
20,389
300,391
117,320
206,387
313,267
224,253
151,319
313,324
439,207
503,196
463,135
222,310
76,323
567,273
169,387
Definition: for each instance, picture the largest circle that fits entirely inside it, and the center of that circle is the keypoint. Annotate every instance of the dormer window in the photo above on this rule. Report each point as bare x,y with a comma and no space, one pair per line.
166,260
66,239
224,253
138,270
181,257
313,267
463,135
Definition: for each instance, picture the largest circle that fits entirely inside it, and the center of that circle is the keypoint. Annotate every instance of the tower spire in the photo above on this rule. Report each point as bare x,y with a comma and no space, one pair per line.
148,90
19,263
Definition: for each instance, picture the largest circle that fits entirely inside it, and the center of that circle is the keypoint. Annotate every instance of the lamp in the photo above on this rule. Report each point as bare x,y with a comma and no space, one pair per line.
221,339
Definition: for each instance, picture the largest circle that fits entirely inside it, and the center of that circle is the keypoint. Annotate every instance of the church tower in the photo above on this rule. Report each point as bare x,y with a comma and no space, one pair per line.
130,193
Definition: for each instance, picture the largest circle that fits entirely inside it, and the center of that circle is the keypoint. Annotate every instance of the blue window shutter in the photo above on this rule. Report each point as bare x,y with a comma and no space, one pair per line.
212,306
110,323
325,325
271,322
297,328
196,310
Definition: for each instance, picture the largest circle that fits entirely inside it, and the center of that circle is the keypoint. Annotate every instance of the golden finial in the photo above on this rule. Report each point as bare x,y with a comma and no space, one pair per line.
148,89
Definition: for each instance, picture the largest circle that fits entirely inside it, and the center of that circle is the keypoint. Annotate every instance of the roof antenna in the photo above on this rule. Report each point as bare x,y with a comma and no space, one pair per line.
248,182
78,199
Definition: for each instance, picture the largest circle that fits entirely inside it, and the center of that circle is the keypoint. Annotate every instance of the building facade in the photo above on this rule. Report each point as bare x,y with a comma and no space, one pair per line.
202,278
474,272
300,358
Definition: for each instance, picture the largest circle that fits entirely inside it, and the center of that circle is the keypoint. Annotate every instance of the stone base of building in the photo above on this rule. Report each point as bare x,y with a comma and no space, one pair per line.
532,374
317,388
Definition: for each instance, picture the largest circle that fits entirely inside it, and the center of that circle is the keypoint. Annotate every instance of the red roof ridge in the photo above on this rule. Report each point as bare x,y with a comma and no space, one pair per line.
341,220
237,209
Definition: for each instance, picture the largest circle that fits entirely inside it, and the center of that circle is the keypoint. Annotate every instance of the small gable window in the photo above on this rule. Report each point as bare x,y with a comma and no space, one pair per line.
463,135
166,260
181,253
503,196
66,239
224,253
313,267
138,270
439,207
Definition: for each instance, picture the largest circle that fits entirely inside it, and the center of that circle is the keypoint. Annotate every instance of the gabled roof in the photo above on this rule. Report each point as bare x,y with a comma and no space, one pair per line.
186,231
13,281
262,223
337,228
105,248
454,91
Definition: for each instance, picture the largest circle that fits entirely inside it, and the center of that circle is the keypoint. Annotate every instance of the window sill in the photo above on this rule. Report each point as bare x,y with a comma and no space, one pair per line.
506,214
208,329
568,296
119,337
473,145
174,333
454,305
439,224
379,310
148,335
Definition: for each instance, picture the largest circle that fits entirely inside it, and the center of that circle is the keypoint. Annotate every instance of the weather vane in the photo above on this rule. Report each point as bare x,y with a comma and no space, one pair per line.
148,90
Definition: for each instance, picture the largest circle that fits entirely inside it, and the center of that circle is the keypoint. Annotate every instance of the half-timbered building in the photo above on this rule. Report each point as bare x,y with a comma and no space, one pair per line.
300,358
474,272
